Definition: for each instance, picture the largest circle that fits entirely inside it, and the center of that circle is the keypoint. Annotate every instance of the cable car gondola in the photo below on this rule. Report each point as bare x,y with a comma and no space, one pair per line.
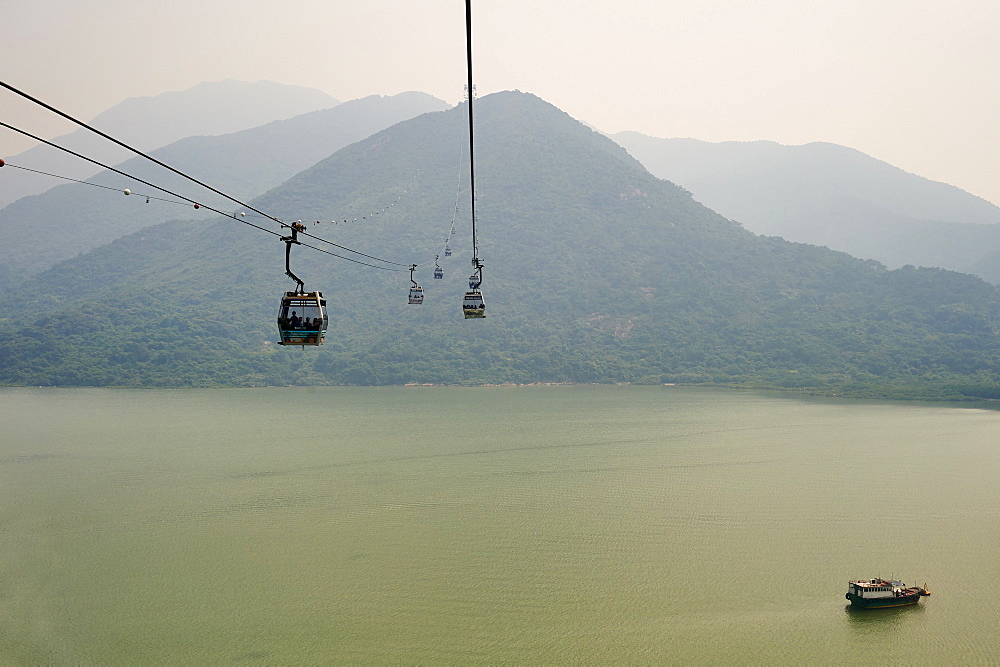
438,271
416,291
473,304
447,250
302,318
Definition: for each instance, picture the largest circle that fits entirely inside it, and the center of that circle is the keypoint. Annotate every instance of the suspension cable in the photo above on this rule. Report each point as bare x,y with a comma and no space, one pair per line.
225,213
335,245
103,166
458,191
96,185
356,261
134,150
192,201
472,144
139,180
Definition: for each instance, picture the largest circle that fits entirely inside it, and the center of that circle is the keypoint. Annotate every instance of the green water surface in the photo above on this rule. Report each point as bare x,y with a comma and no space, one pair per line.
437,525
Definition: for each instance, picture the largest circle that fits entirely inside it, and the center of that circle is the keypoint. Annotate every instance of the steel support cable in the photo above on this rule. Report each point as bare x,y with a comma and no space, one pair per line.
454,217
96,185
188,199
134,150
335,245
229,215
371,215
137,179
472,144
168,167
458,190
351,259
458,193
100,164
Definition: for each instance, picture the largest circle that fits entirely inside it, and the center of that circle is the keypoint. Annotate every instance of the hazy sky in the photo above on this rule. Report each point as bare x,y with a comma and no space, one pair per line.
911,82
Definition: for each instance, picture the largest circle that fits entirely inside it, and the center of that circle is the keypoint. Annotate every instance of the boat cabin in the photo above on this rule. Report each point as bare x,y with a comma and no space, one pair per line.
302,318
876,588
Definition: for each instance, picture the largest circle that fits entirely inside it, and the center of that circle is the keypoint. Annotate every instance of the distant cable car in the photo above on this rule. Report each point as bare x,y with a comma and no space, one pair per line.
438,271
475,280
416,291
473,304
302,318
447,250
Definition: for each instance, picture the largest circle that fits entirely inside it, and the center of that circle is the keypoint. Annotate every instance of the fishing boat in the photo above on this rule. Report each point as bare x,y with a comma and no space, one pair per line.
879,593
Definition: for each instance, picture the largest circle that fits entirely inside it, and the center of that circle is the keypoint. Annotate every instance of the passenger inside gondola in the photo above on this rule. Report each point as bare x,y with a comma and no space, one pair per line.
306,324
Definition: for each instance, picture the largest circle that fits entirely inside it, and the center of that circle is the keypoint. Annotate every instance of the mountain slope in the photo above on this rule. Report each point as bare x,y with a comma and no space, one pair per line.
210,108
74,217
596,271
828,195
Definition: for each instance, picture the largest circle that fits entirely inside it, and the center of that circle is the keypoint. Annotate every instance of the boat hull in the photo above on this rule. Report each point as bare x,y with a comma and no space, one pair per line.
882,603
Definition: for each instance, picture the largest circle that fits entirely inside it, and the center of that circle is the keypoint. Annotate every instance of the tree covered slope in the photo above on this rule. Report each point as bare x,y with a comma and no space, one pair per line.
148,123
830,195
596,271
44,229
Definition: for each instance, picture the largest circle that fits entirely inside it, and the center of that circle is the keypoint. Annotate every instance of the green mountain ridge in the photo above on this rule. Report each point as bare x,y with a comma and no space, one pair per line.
148,123
596,271
831,195
73,218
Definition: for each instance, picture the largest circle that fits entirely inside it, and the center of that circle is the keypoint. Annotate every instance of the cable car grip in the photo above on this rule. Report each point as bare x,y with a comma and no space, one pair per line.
296,227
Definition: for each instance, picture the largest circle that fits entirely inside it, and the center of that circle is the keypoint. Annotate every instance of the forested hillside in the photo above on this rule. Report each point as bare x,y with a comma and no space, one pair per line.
75,217
831,195
148,123
596,271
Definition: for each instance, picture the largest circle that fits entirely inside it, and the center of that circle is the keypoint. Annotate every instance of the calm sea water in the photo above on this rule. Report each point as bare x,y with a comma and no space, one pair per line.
464,525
